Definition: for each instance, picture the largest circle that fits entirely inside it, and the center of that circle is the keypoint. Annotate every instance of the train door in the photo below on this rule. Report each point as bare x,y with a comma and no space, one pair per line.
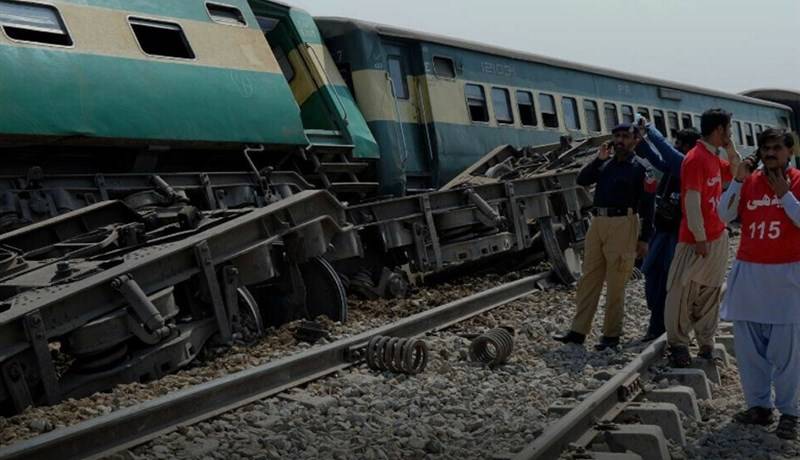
321,115
405,77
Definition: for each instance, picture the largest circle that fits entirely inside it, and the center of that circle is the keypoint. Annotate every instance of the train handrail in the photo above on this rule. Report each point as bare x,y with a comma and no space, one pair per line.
424,114
404,158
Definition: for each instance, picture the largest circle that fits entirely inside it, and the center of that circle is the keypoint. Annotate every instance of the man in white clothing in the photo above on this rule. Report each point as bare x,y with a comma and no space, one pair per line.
763,295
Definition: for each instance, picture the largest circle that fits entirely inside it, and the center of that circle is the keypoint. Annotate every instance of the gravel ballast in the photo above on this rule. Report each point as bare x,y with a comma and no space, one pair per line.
455,408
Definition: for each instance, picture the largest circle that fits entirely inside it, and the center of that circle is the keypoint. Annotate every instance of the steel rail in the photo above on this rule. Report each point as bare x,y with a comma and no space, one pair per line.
137,424
602,405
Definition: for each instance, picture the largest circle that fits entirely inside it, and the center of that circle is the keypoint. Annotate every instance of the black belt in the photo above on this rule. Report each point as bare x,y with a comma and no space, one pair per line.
613,212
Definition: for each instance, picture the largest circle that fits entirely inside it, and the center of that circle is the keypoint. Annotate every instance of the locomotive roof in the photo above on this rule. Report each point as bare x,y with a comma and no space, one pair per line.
398,32
785,94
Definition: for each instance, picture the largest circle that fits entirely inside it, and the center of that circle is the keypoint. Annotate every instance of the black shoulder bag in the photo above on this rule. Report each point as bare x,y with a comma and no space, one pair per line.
668,209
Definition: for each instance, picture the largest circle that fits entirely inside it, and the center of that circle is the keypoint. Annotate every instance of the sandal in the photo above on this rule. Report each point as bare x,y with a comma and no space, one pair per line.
787,427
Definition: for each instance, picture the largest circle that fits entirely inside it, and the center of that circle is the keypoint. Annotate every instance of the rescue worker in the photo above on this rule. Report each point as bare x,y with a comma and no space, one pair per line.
618,234
762,298
697,271
668,160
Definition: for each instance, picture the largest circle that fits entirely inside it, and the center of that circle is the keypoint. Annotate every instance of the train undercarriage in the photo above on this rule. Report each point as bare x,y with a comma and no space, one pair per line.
131,275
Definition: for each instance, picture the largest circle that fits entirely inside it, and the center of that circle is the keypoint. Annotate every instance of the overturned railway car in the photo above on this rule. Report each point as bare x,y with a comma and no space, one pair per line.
109,294
437,104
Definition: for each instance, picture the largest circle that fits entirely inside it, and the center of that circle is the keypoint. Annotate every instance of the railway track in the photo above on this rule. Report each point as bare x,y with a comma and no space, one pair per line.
595,423
134,425
630,417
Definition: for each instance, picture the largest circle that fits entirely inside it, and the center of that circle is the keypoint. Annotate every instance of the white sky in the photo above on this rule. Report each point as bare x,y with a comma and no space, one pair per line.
730,45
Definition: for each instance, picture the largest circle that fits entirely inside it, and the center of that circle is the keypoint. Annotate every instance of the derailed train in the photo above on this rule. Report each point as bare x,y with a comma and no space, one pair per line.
118,265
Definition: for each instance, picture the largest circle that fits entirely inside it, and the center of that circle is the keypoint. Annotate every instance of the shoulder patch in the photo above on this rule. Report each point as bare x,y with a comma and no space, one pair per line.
650,182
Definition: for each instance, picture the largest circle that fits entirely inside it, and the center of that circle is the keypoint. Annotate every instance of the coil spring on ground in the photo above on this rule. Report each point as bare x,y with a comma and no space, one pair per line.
408,356
493,347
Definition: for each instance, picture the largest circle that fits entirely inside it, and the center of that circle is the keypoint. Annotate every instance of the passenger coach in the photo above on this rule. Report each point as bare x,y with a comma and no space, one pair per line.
138,85
437,104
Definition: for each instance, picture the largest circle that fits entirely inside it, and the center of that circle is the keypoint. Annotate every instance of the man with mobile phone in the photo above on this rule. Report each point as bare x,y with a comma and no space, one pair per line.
694,283
763,296
618,234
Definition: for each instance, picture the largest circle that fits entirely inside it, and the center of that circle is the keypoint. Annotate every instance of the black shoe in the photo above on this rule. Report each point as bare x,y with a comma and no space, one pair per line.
607,342
787,427
706,352
679,356
755,416
649,337
570,337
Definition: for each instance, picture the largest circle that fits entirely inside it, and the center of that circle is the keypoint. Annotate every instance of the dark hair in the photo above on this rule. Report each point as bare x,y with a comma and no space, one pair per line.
688,136
776,134
713,119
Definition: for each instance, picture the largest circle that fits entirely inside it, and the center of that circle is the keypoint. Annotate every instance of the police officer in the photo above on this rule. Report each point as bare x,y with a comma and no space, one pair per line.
617,236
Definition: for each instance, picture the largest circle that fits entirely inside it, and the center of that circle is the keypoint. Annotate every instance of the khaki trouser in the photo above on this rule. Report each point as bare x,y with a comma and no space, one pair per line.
694,290
609,256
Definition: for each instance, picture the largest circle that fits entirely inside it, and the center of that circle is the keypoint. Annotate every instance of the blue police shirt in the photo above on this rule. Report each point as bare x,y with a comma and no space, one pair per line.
622,184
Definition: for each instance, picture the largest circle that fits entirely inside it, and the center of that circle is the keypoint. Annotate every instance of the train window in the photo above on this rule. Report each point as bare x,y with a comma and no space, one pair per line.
571,117
398,77
476,101
759,130
527,110
592,115
686,120
749,138
165,39
697,119
672,121
283,63
627,114
266,24
444,67
612,117
643,111
502,106
225,14
660,122
346,70
783,122
736,127
549,115
34,23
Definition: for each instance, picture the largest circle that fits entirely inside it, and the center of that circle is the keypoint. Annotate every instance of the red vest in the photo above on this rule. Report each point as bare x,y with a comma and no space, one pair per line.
768,235
704,172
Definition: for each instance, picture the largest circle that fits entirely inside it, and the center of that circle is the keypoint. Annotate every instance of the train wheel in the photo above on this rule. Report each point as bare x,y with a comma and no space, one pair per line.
249,321
566,261
325,293
303,291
